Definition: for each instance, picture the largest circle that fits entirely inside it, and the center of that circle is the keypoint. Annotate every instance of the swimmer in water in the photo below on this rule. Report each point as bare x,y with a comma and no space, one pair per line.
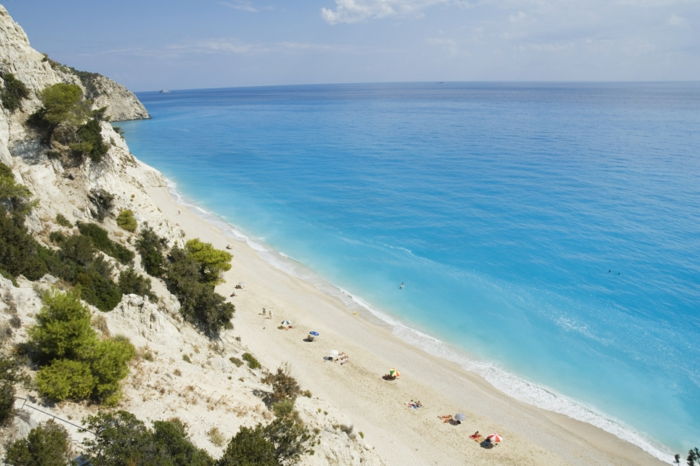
401,285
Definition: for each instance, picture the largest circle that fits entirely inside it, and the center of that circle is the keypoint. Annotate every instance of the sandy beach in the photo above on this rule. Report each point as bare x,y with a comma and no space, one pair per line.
378,408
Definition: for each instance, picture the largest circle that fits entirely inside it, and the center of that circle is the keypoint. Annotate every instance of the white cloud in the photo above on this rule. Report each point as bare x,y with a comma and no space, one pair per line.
241,5
353,11
229,46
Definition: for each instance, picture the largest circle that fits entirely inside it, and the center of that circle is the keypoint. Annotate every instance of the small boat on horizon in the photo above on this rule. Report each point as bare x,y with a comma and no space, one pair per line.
165,91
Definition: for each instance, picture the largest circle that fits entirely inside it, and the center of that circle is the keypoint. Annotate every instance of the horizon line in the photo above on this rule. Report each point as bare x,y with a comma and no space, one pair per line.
366,83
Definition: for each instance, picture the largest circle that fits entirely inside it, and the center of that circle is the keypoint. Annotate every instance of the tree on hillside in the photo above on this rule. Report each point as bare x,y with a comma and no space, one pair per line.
122,439
63,329
76,364
212,262
63,103
46,445
249,447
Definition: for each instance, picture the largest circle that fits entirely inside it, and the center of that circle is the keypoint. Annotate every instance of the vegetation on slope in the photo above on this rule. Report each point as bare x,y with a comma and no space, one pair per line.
191,275
12,92
68,126
75,363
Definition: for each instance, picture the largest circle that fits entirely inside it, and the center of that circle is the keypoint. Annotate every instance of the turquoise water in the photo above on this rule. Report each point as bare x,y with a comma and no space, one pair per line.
552,231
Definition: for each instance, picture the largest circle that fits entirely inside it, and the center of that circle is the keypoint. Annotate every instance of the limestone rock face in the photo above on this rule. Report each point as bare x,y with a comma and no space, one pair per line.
37,71
178,372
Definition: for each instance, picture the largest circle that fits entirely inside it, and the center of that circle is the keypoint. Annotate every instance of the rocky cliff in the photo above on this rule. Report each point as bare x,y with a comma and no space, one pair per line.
179,371
38,71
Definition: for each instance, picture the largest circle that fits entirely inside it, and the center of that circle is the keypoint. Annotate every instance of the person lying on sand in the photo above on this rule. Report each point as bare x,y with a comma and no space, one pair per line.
343,358
449,418
414,404
476,436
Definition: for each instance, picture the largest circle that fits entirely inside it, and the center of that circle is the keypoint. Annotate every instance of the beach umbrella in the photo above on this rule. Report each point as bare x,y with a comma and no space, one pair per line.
333,354
394,373
314,333
285,323
459,417
494,438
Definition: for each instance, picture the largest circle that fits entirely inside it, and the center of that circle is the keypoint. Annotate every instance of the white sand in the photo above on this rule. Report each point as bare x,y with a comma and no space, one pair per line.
401,435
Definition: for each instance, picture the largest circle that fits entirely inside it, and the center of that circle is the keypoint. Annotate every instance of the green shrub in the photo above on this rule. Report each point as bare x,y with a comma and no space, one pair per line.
97,287
250,359
14,197
249,447
284,386
171,438
20,253
77,365
63,221
65,379
283,408
63,329
109,364
45,445
212,262
126,220
13,92
101,240
131,282
63,103
7,401
57,237
151,248
122,439
10,375
290,438
90,142
199,303
77,263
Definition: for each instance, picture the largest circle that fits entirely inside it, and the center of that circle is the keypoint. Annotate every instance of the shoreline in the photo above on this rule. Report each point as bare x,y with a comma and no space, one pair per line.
594,444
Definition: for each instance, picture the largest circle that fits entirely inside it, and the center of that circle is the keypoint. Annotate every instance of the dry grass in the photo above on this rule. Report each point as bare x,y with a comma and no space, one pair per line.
216,437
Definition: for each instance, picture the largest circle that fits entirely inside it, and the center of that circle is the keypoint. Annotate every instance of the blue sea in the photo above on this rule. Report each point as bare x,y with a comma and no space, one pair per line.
547,235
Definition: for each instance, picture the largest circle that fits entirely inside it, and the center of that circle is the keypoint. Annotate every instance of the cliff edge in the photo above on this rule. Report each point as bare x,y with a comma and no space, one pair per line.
38,71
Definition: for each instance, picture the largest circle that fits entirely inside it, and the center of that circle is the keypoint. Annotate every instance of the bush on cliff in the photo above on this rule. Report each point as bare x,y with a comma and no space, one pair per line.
10,375
63,103
151,247
68,125
126,220
131,282
14,197
13,92
90,142
199,303
100,239
249,447
78,263
122,439
45,445
212,262
76,364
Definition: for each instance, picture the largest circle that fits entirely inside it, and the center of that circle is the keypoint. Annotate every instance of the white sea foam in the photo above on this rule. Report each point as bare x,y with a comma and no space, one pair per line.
508,383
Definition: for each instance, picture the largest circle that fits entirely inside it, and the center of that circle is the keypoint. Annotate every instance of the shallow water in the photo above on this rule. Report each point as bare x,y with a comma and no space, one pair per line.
552,231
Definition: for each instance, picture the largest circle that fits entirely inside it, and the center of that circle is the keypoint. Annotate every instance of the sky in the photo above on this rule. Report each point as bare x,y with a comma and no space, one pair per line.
186,44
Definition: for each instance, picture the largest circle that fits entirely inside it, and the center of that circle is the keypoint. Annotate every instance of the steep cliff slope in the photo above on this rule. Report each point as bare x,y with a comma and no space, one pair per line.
180,372
37,71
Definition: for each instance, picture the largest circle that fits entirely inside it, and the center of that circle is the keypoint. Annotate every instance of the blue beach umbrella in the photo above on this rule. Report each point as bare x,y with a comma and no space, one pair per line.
314,333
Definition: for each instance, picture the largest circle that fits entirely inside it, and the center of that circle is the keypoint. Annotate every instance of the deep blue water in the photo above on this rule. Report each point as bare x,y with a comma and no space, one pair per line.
550,230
